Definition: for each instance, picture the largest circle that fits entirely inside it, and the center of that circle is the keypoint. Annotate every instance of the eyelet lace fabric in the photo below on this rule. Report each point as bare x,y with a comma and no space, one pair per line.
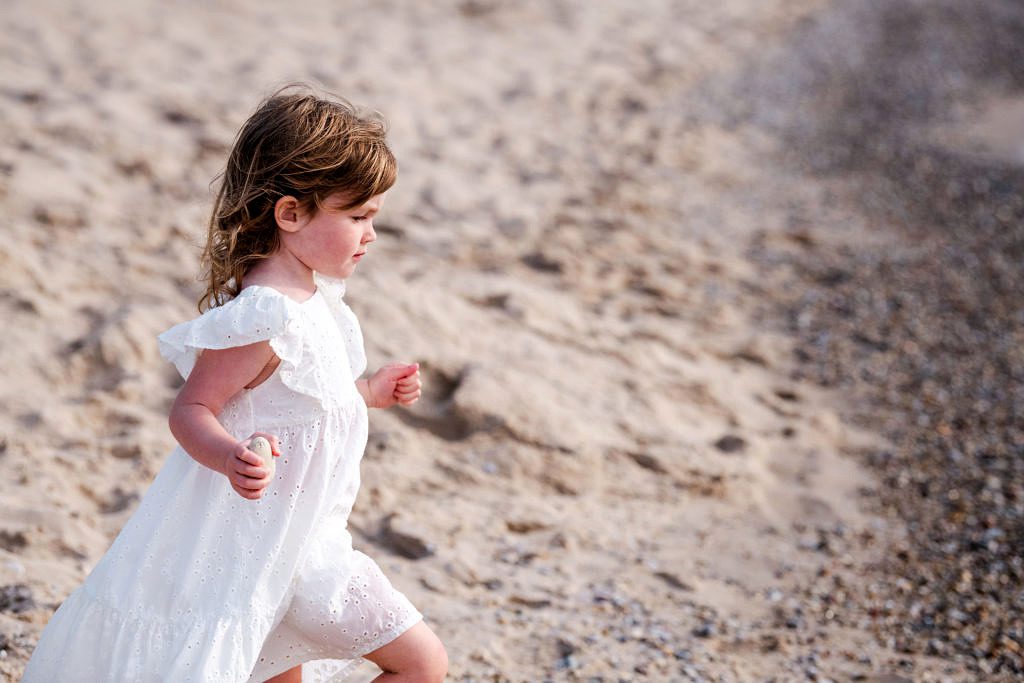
203,585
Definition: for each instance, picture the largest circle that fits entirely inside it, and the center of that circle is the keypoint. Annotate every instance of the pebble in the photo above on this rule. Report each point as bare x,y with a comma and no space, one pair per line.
531,602
731,443
401,536
705,630
16,598
673,581
261,447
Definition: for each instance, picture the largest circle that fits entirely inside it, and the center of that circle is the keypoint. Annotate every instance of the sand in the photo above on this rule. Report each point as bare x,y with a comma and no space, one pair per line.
618,470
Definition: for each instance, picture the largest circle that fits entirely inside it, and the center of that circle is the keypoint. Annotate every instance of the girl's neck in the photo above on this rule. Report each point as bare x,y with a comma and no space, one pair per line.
283,272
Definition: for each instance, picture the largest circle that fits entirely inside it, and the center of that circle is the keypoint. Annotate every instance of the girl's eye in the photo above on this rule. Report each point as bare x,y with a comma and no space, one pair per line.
359,218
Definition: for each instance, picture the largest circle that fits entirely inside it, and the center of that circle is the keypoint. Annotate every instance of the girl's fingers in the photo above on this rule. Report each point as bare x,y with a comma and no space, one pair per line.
251,485
253,472
251,467
256,485
249,495
247,473
260,484
247,457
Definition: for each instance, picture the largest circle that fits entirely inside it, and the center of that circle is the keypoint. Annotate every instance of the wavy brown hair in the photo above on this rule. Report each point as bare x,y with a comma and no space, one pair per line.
300,142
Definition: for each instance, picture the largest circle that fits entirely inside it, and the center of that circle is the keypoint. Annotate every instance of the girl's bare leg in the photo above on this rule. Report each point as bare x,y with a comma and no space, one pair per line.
416,656
293,675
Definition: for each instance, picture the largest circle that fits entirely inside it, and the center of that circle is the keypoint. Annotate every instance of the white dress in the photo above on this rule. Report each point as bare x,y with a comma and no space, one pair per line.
202,585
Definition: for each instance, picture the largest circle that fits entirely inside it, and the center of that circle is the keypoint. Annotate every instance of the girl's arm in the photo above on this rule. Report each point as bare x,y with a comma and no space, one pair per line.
363,387
218,375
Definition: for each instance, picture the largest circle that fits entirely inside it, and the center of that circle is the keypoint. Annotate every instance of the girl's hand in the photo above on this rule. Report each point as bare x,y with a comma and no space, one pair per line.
393,383
246,471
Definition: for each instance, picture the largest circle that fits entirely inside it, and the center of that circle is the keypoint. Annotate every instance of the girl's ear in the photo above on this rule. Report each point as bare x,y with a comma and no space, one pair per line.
288,214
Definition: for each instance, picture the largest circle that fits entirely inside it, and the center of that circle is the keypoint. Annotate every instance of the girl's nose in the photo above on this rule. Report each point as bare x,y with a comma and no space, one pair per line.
370,235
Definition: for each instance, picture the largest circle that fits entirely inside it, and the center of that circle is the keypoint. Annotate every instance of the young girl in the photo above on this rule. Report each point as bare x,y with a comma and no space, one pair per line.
228,572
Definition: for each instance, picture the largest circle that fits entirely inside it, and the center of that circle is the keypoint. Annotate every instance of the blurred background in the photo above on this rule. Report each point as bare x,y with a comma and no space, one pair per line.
718,305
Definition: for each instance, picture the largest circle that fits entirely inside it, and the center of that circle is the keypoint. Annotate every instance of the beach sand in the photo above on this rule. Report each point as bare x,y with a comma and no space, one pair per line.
643,259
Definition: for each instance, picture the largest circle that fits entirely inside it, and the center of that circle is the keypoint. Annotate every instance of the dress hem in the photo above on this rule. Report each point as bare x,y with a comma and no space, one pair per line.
350,665
393,633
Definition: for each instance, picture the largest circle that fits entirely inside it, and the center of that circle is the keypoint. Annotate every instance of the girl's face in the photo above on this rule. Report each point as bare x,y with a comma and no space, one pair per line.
332,241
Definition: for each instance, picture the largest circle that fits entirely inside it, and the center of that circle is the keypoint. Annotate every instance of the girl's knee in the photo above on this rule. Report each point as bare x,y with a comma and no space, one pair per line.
417,655
428,663
438,666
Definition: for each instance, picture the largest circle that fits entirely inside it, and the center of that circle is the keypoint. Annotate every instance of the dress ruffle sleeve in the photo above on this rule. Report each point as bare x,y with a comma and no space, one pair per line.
256,314
334,292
